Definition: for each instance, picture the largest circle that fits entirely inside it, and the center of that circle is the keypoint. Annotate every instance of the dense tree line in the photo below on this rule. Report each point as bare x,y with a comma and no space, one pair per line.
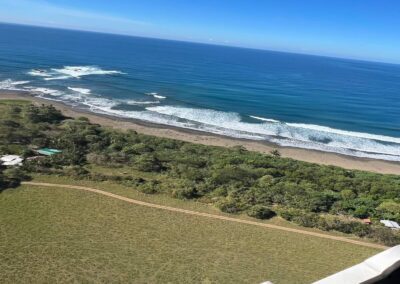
234,179
11,177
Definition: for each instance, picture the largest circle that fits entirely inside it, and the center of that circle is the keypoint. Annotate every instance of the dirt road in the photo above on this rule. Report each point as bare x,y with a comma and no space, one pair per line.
207,215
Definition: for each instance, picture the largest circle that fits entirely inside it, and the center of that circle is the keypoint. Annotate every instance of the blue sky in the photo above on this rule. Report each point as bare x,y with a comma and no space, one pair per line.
361,29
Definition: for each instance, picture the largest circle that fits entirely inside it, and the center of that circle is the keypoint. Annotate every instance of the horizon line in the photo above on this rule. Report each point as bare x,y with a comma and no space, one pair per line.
201,42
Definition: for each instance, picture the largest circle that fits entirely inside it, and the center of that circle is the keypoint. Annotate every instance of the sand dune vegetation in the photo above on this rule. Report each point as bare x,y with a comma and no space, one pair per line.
234,180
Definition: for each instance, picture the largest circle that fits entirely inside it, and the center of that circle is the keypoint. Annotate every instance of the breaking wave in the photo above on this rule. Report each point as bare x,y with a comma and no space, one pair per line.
12,85
263,119
68,72
133,102
39,73
320,128
82,91
79,71
57,78
44,91
289,134
284,134
308,136
156,95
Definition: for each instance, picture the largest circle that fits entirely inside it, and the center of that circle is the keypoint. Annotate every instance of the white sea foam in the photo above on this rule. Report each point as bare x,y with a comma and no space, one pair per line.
39,73
345,132
45,91
12,85
338,150
230,124
15,83
264,119
133,102
156,95
57,78
68,72
79,71
82,91
98,104
206,116
313,137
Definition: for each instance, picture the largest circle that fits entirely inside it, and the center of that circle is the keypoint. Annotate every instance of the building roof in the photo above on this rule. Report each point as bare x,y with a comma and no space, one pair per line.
371,270
390,224
366,221
48,151
11,160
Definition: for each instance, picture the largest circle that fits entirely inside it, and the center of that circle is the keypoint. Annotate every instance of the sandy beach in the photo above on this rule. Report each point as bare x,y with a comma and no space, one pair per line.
312,156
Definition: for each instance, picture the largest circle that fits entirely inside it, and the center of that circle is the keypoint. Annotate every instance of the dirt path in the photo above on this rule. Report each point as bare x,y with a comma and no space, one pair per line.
173,209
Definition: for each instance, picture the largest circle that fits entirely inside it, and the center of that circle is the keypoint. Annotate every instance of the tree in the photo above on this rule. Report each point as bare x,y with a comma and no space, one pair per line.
187,192
148,163
3,184
321,201
260,212
389,210
229,205
361,212
233,173
44,113
275,153
11,177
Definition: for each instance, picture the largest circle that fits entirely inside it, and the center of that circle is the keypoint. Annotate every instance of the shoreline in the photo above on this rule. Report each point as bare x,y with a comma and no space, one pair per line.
198,137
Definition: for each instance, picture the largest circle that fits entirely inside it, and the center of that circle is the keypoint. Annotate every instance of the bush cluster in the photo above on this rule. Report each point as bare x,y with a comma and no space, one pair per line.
340,224
234,179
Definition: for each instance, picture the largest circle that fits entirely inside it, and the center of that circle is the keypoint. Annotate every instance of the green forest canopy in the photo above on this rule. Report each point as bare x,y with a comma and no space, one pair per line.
234,179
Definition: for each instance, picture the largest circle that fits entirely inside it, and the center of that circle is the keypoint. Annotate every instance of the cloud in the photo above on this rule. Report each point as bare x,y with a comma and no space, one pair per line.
39,12
94,16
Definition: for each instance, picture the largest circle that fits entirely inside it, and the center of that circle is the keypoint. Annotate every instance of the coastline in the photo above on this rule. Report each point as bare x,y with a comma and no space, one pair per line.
193,136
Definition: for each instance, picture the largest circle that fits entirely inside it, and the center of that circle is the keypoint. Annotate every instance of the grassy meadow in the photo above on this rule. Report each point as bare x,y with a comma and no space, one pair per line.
51,235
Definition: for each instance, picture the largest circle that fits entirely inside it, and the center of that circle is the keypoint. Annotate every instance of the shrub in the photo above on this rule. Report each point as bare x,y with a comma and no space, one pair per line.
97,159
320,201
187,192
361,212
231,174
98,177
275,153
385,236
266,181
11,177
234,179
348,194
260,212
288,213
138,149
229,206
148,163
389,210
43,113
76,171
150,187
307,220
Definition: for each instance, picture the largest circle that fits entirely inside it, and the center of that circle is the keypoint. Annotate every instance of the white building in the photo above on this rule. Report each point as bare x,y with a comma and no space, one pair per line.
391,224
380,267
11,160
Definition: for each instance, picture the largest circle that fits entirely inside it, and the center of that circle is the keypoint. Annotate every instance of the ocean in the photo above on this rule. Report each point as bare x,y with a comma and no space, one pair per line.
329,104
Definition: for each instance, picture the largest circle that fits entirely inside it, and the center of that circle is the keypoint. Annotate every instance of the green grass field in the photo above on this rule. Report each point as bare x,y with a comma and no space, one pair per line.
14,102
55,235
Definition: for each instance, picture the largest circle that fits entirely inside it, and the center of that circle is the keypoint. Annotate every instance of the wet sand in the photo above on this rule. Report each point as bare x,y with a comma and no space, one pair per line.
199,137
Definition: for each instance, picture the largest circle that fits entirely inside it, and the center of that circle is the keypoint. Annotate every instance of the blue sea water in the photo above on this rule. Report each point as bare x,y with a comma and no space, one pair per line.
329,104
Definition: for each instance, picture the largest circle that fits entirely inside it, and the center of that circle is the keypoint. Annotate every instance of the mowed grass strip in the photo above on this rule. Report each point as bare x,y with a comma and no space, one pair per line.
57,235
188,204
